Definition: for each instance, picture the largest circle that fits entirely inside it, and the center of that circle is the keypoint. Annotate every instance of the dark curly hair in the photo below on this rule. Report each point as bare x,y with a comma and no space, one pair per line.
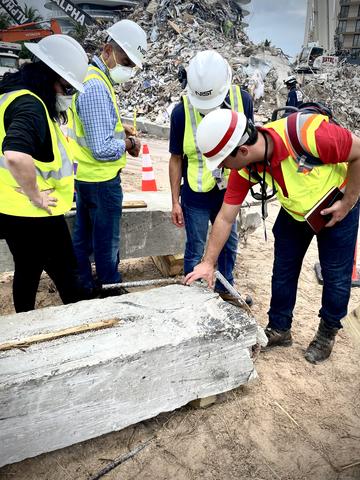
39,79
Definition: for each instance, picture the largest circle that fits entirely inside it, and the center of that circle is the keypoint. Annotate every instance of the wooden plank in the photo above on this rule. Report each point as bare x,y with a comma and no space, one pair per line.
134,204
127,204
175,27
46,337
169,265
203,402
351,324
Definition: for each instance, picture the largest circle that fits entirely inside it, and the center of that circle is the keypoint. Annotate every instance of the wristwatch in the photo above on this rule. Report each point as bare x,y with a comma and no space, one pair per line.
133,142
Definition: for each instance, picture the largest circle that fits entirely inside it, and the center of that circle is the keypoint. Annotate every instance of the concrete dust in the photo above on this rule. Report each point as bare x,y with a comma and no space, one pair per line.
296,422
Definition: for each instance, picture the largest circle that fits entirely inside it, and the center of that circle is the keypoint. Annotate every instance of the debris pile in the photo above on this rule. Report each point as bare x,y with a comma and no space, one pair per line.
176,31
339,88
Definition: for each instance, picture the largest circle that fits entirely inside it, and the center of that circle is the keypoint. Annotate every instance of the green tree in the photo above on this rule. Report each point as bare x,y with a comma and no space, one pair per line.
5,20
267,43
78,32
32,14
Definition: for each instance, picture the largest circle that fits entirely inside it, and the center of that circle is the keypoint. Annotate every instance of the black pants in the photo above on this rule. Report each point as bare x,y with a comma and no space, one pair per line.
37,245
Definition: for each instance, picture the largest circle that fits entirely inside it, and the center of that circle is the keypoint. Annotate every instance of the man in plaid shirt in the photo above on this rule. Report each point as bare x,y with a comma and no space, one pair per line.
102,143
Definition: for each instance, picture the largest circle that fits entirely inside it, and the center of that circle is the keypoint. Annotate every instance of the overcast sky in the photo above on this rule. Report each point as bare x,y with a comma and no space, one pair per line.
281,21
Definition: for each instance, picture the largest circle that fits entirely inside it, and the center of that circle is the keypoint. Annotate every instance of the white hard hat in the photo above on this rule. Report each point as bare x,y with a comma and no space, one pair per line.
219,133
208,80
131,38
64,55
290,80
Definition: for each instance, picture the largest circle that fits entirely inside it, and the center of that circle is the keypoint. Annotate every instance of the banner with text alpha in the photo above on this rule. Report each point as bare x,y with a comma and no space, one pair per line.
15,12
74,12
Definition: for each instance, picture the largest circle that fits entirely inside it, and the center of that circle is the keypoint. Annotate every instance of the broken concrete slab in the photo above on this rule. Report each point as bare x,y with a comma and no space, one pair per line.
144,231
149,128
172,345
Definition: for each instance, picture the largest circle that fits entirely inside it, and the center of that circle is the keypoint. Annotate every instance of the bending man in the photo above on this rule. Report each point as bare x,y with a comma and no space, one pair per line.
265,155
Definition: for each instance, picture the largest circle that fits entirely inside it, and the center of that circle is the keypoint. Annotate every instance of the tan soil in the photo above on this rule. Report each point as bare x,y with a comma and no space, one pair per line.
296,422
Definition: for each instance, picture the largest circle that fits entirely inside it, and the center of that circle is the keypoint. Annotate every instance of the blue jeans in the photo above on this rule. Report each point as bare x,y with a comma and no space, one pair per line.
97,230
336,246
196,226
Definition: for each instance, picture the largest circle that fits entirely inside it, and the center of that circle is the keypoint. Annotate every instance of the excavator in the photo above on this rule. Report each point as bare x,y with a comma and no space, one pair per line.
9,49
28,31
25,32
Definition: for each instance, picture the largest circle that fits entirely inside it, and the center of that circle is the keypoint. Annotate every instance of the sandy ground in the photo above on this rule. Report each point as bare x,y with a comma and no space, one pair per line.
297,421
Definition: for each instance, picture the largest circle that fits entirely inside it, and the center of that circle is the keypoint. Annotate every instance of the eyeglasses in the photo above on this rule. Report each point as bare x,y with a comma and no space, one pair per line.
68,89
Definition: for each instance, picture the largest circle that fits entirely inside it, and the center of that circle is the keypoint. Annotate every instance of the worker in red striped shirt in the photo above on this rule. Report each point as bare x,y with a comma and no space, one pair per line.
265,156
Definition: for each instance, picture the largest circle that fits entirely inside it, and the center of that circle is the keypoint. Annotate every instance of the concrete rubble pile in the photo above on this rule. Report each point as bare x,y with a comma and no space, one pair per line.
338,87
176,31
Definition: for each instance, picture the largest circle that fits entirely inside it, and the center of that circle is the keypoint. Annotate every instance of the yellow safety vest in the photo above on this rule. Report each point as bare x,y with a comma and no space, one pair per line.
57,174
304,189
89,169
199,176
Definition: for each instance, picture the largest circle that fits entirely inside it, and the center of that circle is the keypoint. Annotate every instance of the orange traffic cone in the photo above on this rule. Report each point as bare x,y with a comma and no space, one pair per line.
355,280
148,183
355,277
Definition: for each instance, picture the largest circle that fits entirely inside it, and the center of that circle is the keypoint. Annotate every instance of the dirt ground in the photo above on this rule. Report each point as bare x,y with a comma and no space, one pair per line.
297,421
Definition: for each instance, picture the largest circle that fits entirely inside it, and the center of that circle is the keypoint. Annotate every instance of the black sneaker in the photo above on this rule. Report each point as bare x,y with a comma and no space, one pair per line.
278,338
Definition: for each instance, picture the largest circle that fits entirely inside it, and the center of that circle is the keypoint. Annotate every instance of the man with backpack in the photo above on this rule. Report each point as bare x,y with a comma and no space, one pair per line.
302,157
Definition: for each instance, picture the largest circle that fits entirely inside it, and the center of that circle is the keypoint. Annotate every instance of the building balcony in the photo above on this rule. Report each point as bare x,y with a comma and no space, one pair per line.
349,2
350,32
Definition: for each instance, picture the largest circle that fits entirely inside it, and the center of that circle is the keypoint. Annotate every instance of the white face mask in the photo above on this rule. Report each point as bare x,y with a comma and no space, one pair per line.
63,102
120,74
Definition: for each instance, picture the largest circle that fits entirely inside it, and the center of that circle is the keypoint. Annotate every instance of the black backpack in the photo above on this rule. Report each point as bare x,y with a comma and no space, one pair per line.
303,157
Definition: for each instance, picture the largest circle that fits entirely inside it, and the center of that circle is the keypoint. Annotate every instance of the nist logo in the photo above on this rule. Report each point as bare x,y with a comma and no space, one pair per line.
204,94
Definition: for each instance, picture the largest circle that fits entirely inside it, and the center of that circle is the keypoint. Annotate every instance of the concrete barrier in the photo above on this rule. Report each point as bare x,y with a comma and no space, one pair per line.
144,231
149,128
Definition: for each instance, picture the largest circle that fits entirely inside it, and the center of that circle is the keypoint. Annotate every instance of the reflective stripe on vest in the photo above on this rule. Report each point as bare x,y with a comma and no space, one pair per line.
199,177
89,168
56,175
304,189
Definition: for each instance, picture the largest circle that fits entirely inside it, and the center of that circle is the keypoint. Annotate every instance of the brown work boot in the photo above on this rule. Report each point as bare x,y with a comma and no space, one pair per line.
278,338
321,346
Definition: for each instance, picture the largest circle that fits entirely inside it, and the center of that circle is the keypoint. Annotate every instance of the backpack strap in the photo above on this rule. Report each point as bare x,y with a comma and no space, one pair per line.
305,160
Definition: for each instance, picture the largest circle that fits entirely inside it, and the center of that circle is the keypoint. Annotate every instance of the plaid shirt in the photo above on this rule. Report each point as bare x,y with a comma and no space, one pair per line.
97,113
